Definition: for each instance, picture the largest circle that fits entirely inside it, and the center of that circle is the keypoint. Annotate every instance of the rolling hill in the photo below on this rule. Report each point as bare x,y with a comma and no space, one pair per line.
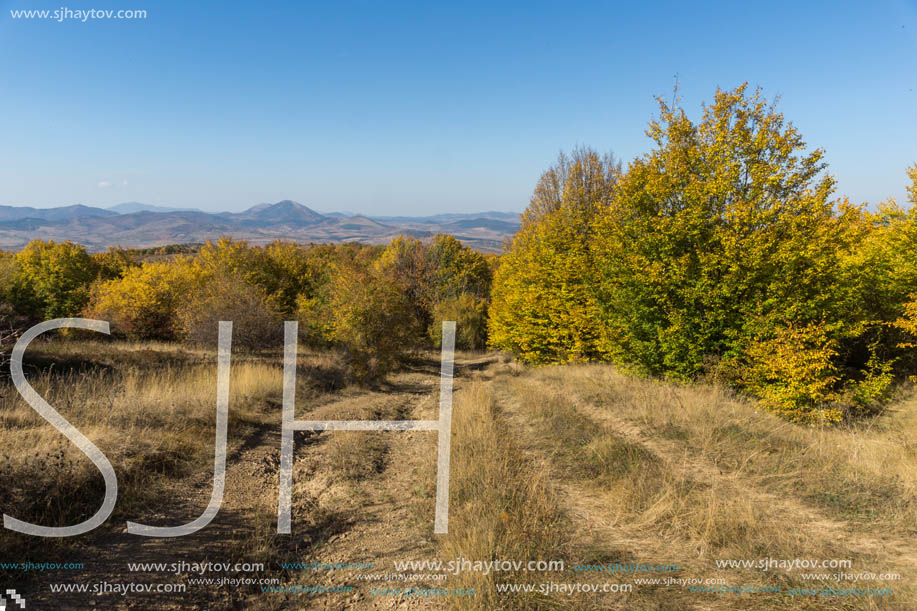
136,225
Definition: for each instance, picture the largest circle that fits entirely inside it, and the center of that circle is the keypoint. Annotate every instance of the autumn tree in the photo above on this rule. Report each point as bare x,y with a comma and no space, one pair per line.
722,242
144,302
9,270
289,270
470,316
114,262
725,226
256,324
719,252
432,274
372,319
314,307
459,291
543,303
580,180
890,263
912,188
456,270
52,279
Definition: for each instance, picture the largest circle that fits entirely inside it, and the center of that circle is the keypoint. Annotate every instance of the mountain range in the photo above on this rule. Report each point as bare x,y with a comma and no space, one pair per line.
137,225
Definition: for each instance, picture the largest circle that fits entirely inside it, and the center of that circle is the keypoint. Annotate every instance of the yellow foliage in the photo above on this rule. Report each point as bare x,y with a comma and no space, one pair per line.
470,316
371,318
143,303
544,305
794,373
52,279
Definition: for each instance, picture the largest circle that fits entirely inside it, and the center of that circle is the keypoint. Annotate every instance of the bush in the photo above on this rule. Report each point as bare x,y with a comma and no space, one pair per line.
794,374
52,279
372,319
143,303
470,316
229,298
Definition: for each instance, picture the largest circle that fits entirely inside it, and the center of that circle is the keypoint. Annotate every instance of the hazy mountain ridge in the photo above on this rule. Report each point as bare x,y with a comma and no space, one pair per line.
132,207
134,224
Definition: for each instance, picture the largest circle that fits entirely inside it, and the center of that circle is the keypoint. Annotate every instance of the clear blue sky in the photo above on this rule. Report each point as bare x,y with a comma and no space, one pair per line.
410,108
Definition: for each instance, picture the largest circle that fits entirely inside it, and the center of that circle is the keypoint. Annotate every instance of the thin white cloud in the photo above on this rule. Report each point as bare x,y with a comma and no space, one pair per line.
103,184
123,183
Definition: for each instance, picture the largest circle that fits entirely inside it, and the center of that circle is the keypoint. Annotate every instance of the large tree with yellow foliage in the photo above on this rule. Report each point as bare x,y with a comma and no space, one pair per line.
722,252
543,302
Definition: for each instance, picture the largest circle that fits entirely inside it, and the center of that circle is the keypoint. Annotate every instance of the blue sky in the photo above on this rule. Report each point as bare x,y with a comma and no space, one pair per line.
416,108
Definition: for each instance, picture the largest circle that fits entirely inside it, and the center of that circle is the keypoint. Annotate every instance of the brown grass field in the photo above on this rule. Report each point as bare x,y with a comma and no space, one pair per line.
576,463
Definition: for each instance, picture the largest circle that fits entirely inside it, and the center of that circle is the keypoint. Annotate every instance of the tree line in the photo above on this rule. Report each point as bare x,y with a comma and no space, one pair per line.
376,303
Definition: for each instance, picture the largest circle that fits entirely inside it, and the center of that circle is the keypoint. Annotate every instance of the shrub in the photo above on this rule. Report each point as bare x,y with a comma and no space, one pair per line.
794,373
256,325
470,316
372,319
52,279
143,303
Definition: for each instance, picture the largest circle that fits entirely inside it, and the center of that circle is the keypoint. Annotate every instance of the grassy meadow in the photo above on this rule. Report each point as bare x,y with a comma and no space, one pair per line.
578,463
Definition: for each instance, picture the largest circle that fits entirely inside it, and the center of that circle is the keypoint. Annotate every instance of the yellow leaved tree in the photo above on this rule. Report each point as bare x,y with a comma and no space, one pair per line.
543,302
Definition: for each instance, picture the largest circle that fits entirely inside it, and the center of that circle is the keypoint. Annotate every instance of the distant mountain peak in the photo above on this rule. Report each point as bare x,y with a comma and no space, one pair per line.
284,204
284,211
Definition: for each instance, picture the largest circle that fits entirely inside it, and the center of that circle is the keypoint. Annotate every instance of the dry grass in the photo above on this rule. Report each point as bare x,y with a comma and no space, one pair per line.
866,472
698,474
575,463
501,504
150,408
357,455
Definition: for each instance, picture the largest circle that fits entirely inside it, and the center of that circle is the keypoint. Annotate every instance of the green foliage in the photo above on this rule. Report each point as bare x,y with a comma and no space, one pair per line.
719,247
313,307
9,269
722,232
440,279
875,387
